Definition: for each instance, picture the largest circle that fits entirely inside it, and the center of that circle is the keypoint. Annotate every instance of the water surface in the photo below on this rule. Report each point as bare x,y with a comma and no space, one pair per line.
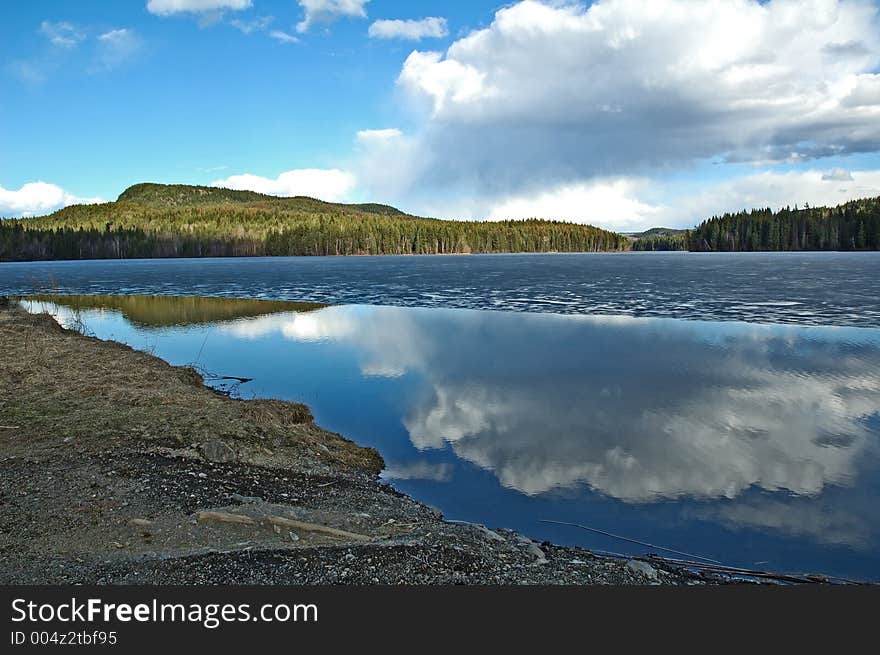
803,288
753,444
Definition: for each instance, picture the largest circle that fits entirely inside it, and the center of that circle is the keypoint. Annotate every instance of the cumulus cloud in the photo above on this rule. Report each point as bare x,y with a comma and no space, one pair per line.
551,98
387,165
411,30
731,419
327,11
384,352
37,198
837,175
332,185
769,188
63,35
169,7
611,203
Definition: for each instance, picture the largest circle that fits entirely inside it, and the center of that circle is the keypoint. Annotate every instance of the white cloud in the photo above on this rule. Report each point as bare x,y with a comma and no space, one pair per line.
714,435
325,184
609,203
284,37
552,96
383,352
115,48
388,163
378,136
169,7
826,522
412,30
63,35
731,419
440,472
255,25
37,198
632,204
326,11
767,189
837,175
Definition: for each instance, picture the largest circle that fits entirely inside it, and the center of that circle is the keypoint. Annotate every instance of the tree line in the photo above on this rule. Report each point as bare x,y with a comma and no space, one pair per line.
854,225
151,220
130,229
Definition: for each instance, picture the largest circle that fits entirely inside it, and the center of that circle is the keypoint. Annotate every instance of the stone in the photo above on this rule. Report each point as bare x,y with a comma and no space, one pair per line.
141,523
645,569
217,451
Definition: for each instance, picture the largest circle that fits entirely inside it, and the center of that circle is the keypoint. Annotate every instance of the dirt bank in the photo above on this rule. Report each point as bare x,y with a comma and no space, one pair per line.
119,468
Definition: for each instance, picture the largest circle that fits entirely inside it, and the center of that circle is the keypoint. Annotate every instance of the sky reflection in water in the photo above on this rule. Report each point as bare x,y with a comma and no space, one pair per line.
752,444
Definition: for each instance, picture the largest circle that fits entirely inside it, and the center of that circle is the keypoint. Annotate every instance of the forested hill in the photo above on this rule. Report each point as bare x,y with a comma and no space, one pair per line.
851,226
185,195
154,220
660,238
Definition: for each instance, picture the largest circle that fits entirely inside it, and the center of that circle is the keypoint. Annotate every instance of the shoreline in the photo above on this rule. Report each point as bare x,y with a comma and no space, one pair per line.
453,254
120,468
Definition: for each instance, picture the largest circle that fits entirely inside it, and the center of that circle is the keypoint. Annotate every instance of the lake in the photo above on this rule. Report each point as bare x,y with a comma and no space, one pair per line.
749,437
800,288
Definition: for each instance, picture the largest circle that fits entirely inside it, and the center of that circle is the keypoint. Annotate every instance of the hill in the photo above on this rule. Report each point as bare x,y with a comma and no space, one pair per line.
156,220
659,238
655,232
185,195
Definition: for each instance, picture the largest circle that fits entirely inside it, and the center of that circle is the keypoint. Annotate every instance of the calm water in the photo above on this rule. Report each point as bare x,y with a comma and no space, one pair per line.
802,288
753,444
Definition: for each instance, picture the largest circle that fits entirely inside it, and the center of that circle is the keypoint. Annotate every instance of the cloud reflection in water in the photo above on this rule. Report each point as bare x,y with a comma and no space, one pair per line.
638,409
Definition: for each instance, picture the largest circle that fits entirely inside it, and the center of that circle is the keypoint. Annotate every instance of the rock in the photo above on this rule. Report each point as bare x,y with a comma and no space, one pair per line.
217,451
645,569
141,523
246,499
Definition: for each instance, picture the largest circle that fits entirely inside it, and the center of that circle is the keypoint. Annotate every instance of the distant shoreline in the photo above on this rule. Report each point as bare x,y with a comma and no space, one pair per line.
454,254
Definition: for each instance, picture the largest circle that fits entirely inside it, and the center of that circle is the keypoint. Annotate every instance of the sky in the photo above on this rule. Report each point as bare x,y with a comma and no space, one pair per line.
625,114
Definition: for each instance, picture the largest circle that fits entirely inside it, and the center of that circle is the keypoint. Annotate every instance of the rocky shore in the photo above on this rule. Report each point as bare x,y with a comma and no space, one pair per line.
118,468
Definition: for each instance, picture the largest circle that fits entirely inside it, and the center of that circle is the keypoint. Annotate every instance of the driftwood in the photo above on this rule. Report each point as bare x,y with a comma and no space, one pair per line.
293,524
226,517
281,522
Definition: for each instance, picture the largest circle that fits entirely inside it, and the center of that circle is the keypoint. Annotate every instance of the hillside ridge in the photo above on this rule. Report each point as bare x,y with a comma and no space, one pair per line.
189,195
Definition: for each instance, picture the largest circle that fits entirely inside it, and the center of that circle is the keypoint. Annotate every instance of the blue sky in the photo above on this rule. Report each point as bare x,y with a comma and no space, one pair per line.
617,113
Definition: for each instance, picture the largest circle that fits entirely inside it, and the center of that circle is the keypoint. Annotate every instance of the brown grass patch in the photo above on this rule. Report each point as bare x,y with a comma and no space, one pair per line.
62,387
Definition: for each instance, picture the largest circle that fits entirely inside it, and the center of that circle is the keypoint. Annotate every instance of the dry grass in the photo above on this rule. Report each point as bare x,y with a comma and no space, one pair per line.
61,387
